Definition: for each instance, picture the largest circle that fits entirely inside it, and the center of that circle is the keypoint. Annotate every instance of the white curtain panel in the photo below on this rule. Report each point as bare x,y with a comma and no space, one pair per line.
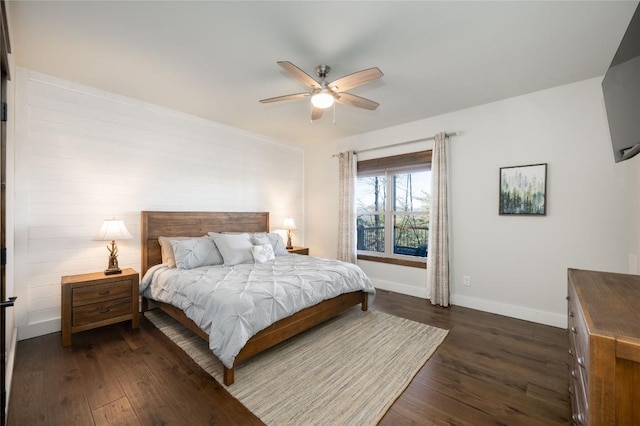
438,258
347,208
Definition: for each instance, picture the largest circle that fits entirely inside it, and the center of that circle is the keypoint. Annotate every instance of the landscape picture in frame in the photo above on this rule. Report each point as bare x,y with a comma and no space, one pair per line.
523,190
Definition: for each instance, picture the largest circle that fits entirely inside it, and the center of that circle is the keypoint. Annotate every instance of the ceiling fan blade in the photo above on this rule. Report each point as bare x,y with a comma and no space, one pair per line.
316,113
356,79
300,75
356,101
284,98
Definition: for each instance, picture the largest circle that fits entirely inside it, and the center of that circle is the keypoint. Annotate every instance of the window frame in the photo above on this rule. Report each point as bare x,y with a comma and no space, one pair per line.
388,166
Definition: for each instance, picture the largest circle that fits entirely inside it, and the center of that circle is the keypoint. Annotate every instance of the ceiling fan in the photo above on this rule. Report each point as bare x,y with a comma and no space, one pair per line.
323,93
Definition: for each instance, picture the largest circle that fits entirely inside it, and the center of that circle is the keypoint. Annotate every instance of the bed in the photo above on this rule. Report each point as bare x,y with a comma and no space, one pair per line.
196,224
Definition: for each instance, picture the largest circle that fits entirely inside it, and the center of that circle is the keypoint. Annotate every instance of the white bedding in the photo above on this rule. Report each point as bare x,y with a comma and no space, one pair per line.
232,303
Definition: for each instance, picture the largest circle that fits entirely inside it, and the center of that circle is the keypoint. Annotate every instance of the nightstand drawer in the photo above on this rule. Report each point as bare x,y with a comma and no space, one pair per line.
101,292
97,312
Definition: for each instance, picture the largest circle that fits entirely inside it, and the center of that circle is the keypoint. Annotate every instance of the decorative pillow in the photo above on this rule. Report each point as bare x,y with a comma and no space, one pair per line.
195,252
260,239
274,238
168,257
263,253
234,248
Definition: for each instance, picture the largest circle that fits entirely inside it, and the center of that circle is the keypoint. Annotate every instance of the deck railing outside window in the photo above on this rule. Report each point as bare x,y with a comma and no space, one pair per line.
408,241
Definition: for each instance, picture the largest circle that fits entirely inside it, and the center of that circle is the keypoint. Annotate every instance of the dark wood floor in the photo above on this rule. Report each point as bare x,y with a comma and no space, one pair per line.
490,370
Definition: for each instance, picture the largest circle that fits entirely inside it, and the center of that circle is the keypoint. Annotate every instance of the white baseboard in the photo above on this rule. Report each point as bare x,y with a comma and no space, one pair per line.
38,329
400,288
513,311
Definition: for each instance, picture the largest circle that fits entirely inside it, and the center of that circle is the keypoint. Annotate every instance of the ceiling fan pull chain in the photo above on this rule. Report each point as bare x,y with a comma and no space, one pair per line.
334,113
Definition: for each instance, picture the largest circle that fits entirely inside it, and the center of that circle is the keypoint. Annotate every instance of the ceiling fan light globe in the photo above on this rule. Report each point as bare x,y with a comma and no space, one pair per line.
322,100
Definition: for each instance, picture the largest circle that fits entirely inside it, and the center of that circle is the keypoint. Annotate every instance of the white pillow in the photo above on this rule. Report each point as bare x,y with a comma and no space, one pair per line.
274,238
234,248
195,252
166,251
263,253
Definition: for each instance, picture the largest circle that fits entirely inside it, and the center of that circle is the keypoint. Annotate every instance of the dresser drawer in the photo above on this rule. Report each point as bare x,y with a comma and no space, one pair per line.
579,359
579,396
88,294
578,416
578,334
604,338
96,312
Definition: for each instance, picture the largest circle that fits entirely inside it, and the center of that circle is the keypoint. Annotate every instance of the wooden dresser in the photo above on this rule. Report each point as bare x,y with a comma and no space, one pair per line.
604,348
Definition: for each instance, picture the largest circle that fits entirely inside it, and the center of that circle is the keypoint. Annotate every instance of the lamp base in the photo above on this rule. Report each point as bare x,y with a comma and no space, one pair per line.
112,267
289,245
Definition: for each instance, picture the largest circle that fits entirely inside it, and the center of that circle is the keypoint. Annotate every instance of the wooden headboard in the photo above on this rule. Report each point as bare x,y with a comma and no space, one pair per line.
192,224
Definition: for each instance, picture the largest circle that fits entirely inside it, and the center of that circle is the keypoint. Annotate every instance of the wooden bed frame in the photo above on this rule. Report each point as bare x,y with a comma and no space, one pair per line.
196,224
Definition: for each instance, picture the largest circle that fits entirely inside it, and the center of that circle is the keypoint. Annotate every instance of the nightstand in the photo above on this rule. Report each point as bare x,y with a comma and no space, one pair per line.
299,250
95,300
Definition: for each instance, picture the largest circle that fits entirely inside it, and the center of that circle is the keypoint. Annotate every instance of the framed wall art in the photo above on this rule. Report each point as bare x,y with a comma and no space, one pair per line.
523,190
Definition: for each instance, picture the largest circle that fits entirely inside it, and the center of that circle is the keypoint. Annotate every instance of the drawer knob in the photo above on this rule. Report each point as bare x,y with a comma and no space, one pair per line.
574,330
573,374
104,310
103,292
581,361
571,352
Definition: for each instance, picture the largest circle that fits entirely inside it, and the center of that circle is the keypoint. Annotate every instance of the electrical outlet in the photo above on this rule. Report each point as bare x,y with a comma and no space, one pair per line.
466,280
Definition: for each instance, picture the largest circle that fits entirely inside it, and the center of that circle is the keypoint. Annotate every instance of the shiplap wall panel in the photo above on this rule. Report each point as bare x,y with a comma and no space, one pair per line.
86,155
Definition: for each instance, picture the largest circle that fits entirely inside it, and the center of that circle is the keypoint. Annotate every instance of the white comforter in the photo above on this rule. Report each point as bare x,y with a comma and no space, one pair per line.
232,303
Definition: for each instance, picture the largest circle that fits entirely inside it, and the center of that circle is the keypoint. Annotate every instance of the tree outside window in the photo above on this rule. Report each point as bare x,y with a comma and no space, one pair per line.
393,211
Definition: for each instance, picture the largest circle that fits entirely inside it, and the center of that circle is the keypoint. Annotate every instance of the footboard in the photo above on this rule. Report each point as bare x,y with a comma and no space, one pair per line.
279,331
301,321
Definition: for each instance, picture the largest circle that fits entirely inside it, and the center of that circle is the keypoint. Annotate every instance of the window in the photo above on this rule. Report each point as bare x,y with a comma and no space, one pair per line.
393,199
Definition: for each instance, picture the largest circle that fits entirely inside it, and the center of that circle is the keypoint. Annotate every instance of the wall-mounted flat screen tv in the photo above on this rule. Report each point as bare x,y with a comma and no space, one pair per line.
621,89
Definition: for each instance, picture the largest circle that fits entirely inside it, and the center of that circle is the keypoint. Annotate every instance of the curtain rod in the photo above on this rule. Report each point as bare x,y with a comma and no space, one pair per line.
400,143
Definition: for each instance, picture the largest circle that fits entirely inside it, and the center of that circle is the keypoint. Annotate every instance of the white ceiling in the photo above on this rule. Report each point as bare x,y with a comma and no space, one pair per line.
217,59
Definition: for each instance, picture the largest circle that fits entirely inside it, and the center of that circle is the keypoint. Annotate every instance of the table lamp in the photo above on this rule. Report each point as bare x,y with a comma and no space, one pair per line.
289,224
113,230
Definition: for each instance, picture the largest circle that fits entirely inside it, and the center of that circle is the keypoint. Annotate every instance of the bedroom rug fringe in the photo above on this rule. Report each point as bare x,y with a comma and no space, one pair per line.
348,371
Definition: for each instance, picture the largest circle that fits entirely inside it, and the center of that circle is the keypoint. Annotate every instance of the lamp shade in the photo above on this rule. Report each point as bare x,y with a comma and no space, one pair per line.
112,230
288,223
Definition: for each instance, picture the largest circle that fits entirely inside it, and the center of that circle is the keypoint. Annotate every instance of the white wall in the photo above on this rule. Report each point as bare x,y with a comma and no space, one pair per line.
84,155
517,265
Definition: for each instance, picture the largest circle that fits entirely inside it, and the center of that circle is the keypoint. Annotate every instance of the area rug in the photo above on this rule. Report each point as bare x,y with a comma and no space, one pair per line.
348,371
